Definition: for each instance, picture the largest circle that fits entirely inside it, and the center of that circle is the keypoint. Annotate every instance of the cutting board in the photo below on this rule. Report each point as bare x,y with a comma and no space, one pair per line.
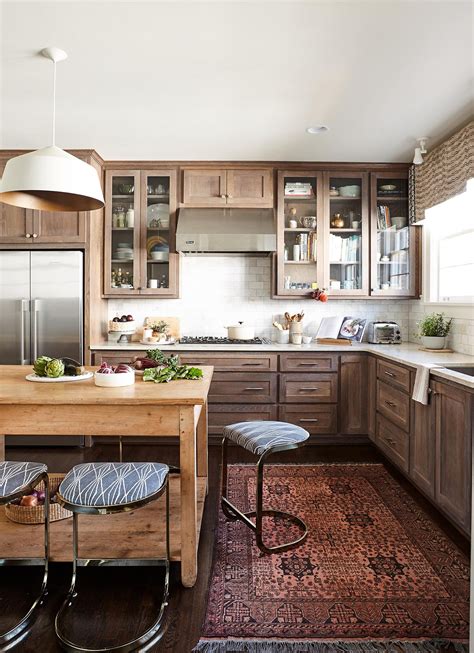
172,322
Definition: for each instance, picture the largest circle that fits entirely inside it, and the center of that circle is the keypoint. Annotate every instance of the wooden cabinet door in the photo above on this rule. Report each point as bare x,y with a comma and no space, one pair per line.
354,395
59,227
422,448
16,224
204,187
453,433
250,188
372,396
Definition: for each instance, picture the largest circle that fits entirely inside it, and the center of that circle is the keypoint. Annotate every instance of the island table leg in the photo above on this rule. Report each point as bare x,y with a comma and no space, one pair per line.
202,444
187,464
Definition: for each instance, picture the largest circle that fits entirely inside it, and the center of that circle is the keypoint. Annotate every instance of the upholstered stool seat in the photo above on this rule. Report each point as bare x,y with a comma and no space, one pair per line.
259,437
18,479
262,438
104,485
106,488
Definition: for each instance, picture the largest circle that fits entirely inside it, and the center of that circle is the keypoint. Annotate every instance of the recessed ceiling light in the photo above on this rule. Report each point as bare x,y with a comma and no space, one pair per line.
318,129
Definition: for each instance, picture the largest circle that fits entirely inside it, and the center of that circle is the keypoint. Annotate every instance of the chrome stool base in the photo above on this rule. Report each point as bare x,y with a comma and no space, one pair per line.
21,627
156,631
233,513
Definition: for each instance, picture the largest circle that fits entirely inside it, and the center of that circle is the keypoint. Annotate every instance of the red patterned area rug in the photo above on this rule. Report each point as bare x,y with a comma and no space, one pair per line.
374,574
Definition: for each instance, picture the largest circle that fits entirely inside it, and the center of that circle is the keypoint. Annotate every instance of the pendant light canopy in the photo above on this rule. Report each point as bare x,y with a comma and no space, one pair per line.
51,179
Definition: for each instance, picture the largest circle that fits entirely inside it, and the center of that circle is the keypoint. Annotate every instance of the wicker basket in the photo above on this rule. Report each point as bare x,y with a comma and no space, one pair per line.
35,514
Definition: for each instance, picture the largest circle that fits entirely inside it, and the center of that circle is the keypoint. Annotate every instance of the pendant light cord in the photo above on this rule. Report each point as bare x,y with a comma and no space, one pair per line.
54,105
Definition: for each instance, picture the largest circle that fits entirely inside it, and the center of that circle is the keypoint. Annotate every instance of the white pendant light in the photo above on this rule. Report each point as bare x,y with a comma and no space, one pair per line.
50,179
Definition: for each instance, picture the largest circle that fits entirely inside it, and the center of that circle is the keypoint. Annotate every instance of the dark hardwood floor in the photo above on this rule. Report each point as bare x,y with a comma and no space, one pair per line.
118,601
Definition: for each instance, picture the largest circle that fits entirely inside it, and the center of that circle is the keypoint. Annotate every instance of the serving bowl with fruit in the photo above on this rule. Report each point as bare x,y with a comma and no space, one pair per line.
29,509
108,376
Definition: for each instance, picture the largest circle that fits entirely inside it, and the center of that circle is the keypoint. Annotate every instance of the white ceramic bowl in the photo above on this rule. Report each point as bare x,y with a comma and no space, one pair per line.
114,380
349,191
160,256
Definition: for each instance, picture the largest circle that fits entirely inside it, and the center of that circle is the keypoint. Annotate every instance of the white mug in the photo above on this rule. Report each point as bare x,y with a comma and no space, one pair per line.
293,224
152,283
296,338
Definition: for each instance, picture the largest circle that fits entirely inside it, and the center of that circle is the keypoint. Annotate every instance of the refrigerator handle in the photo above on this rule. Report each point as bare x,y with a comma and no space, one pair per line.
34,327
24,309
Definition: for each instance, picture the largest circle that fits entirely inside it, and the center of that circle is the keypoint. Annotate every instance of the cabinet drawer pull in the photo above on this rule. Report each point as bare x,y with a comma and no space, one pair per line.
254,388
308,364
390,374
390,441
222,197
247,364
303,389
27,235
309,419
391,404
34,236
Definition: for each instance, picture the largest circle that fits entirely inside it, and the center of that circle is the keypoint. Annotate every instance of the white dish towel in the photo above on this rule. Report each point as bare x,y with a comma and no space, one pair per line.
422,382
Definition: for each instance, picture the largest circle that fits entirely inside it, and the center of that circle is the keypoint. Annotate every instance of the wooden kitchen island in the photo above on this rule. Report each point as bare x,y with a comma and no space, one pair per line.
149,409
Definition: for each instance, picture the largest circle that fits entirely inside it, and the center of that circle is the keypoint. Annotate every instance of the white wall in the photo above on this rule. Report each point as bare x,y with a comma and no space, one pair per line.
218,291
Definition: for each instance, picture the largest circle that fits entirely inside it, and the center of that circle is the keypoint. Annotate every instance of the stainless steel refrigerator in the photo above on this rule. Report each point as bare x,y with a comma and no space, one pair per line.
41,312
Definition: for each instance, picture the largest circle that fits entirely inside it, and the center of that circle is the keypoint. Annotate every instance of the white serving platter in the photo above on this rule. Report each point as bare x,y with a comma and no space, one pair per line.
60,379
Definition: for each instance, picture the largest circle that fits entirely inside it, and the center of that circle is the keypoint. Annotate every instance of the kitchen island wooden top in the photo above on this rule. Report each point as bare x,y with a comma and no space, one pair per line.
15,389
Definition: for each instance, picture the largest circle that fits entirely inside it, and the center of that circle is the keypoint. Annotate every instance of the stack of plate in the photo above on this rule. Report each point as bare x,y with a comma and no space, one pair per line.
124,251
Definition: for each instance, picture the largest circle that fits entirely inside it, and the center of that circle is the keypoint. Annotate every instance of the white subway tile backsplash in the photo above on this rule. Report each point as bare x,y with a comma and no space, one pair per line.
217,291
461,337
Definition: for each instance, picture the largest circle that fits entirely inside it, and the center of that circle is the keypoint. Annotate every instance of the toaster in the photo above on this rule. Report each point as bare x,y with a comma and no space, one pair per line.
384,333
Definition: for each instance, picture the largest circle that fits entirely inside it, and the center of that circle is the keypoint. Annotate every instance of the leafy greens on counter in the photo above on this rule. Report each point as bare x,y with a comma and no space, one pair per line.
172,370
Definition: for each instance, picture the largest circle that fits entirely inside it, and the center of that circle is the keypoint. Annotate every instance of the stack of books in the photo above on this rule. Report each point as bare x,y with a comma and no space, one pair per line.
308,245
298,189
344,249
383,217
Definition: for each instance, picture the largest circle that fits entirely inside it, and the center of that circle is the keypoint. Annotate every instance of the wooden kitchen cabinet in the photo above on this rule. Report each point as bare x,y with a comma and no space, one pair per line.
243,187
422,448
393,405
354,396
320,419
140,256
371,399
308,388
242,388
16,225
59,226
221,415
393,441
453,435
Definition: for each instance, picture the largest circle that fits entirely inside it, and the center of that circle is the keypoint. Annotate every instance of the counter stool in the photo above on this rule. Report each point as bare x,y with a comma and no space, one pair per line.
103,489
262,438
17,479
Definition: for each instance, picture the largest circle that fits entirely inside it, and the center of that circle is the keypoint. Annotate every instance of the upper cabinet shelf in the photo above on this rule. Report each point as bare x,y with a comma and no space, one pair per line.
140,225
245,187
349,230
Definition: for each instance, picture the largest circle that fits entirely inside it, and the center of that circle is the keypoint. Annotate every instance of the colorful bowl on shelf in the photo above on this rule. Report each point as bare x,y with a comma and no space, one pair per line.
160,255
349,191
156,243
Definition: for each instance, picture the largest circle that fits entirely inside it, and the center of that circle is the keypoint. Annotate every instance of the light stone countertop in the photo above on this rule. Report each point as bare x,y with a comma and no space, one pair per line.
406,353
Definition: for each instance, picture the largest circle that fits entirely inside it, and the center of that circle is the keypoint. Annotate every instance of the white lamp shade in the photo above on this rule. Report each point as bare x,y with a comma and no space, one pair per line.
51,179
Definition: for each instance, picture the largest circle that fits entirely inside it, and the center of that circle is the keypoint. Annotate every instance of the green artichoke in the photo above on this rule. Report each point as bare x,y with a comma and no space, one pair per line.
39,366
55,368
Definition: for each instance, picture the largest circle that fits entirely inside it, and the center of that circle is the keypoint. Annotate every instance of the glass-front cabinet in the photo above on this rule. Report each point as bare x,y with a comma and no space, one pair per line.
300,233
393,241
140,257
347,227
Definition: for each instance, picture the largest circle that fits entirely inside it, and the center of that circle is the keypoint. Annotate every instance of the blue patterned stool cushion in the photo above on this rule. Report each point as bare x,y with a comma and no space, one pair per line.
260,436
15,476
102,485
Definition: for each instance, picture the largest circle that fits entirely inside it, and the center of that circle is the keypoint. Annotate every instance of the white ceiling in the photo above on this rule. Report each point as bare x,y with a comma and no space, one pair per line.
237,80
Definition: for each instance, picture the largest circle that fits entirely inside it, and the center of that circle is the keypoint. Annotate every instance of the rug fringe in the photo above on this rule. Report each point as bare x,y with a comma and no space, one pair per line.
394,646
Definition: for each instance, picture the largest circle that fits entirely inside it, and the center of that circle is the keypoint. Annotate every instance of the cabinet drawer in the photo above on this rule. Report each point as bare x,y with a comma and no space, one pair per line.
224,414
393,441
232,362
308,388
394,374
238,388
317,420
394,405
308,363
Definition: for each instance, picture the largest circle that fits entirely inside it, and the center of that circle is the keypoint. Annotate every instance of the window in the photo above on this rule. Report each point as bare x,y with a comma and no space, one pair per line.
449,247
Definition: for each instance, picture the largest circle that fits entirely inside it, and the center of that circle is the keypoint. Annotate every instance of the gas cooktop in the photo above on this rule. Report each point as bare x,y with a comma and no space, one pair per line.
218,340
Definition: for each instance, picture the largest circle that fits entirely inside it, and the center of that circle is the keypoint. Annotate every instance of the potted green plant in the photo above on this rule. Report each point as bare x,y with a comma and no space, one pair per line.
160,330
433,330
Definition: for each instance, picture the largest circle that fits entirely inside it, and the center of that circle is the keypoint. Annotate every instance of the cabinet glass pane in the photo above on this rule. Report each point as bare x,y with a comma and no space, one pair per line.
345,233
393,235
301,234
157,232
122,241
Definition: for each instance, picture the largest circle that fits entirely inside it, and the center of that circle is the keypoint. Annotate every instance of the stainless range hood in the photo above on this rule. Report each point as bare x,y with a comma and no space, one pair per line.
226,231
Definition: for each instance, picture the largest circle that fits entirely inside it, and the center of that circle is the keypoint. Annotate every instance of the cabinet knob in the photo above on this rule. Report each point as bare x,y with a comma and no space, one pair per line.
223,197
27,235
35,236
